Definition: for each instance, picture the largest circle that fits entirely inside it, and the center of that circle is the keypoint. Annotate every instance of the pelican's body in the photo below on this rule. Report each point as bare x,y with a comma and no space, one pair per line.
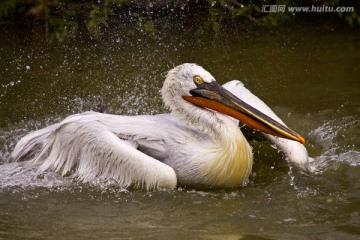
189,146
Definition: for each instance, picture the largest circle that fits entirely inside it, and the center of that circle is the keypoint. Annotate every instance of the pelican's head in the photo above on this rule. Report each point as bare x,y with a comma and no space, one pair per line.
198,88
180,80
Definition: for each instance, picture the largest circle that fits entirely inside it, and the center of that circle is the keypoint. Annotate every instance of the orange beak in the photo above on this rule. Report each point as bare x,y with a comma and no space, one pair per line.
215,97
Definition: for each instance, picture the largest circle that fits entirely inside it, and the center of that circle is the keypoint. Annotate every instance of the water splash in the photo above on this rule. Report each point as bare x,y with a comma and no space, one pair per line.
8,139
18,174
339,143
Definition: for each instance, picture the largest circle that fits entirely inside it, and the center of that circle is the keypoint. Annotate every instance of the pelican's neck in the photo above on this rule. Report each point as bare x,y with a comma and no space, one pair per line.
232,158
204,120
228,162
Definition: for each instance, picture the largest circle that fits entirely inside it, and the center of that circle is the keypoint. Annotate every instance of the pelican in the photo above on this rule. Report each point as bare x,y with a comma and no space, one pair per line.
198,143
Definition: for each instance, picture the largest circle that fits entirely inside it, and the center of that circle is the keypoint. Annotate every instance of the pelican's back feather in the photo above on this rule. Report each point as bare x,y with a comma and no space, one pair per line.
85,144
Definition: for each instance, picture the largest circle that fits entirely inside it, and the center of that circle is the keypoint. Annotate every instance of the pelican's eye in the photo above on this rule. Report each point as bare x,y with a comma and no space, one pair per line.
198,80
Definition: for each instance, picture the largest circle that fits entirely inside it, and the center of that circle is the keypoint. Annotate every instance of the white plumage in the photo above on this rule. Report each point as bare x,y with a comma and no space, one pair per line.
192,145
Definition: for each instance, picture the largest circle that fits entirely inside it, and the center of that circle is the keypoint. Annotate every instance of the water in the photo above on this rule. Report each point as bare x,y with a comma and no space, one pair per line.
307,75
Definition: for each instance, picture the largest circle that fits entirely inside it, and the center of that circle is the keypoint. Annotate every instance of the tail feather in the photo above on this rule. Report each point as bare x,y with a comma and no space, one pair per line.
31,144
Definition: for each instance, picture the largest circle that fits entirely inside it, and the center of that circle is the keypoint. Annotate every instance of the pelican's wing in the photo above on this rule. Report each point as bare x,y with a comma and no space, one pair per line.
98,146
294,151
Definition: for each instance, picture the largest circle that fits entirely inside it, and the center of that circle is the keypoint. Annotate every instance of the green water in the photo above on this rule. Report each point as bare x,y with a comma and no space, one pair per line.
308,76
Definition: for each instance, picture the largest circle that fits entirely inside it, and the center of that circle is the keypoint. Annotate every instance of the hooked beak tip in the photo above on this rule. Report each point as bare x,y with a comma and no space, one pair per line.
301,139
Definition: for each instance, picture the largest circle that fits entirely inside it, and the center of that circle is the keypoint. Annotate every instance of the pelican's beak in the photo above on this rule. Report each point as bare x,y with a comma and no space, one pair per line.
214,96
